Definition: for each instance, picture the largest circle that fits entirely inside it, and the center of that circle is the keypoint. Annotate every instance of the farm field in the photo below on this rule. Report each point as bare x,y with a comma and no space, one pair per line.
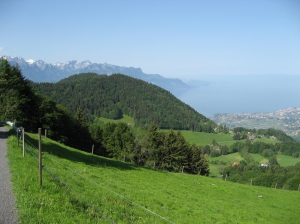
79,187
284,160
202,138
228,159
267,140
125,119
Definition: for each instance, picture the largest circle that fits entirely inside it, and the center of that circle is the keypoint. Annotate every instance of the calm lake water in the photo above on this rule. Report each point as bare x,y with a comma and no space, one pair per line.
247,93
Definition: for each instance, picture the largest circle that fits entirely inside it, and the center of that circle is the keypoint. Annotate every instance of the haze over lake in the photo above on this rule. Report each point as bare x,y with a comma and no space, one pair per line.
243,93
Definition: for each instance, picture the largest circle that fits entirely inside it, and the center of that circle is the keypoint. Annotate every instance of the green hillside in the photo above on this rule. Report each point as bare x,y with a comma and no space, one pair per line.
284,160
117,95
201,138
79,187
126,119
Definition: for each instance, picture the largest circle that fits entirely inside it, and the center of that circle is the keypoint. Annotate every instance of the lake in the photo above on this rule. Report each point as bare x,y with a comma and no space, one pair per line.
244,93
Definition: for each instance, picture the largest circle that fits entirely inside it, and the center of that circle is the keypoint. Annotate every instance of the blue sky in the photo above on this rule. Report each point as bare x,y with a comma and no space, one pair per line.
183,39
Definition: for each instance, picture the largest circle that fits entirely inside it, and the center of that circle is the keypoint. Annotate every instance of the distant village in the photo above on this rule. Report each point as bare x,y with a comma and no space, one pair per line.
287,120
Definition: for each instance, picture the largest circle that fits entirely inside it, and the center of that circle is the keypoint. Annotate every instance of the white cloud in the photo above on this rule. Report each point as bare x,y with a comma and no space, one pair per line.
1,48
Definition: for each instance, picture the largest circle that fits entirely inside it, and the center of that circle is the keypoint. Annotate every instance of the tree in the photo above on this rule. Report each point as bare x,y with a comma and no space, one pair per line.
8,104
17,100
96,133
81,117
214,142
273,161
199,164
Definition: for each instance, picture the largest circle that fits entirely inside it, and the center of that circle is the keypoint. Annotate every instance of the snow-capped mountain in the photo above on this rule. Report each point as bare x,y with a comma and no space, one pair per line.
40,71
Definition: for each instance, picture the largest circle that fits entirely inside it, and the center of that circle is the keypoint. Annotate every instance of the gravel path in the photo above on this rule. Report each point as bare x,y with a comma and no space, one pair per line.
8,212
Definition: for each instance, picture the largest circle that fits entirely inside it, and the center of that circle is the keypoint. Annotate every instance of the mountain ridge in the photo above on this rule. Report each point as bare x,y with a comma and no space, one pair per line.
41,71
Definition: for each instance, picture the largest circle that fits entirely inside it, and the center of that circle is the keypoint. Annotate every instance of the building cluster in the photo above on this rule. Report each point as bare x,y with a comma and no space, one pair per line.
287,120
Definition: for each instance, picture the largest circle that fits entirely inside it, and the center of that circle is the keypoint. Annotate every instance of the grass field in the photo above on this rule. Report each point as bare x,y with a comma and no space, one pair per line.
125,119
267,140
259,158
202,138
228,159
284,160
83,188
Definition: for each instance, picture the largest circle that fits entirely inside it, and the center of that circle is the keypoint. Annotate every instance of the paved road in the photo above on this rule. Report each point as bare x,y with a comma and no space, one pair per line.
8,212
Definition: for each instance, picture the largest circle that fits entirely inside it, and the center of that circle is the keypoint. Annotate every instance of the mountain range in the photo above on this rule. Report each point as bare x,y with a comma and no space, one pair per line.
40,71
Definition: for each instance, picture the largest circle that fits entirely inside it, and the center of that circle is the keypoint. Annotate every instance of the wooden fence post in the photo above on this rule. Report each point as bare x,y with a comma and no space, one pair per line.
45,133
23,142
93,149
182,169
40,158
18,136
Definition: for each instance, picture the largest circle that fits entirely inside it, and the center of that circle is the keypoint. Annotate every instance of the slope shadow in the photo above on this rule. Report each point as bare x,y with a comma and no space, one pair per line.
55,149
3,132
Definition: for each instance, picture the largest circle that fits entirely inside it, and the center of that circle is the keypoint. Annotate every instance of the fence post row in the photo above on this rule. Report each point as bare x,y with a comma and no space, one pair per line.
40,158
23,142
18,136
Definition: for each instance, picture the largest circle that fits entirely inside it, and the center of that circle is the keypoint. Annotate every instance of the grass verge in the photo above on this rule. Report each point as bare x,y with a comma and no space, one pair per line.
92,189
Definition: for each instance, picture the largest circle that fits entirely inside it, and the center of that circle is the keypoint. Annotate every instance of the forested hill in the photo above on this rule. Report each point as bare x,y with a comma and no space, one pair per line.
117,94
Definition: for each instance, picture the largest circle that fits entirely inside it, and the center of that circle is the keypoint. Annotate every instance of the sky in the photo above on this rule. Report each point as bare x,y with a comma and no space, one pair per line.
176,39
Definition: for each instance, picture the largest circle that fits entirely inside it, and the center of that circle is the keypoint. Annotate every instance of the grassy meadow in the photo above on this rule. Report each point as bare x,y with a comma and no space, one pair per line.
284,160
125,119
228,159
79,187
202,138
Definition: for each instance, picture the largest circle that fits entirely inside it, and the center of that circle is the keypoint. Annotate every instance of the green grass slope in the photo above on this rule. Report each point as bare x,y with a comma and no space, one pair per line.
125,119
201,138
82,188
284,160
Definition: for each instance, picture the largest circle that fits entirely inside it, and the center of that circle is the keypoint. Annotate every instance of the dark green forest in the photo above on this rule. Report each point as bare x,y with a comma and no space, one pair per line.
115,95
